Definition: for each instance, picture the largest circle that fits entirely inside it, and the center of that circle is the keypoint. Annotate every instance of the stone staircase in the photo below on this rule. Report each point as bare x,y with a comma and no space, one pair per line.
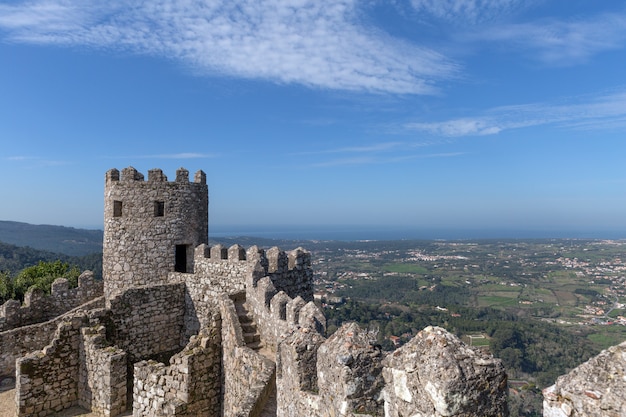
251,334
252,338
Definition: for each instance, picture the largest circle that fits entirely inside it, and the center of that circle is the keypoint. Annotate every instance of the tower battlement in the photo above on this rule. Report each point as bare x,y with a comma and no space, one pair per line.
154,175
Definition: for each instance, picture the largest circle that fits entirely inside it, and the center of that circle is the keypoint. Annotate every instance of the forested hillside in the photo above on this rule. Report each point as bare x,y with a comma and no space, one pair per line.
14,258
58,239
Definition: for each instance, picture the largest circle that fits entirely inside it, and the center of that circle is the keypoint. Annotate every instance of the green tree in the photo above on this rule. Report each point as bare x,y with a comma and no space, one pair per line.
6,287
42,276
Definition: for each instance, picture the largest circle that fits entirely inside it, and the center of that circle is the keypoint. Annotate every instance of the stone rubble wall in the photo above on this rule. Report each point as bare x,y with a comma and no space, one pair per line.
47,380
341,376
291,272
435,375
350,372
247,376
215,273
38,307
597,388
297,377
277,313
102,377
189,386
220,270
149,320
139,246
18,342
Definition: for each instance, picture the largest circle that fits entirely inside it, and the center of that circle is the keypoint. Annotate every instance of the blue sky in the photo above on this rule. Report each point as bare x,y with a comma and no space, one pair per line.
473,114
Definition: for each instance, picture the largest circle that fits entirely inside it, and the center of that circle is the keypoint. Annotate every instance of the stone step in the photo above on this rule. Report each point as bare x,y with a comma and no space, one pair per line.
244,318
251,338
256,346
249,327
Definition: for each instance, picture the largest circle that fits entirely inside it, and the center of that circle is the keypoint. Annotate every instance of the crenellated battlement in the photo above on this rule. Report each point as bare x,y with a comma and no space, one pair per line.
278,315
277,284
38,307
289,271
434,375
156,175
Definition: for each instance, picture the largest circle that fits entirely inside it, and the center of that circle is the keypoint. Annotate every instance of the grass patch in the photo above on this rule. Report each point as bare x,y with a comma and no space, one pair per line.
404,268
607,336
495,301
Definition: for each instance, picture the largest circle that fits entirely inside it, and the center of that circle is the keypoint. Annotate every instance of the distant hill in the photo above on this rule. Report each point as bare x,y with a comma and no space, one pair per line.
15,258
57,239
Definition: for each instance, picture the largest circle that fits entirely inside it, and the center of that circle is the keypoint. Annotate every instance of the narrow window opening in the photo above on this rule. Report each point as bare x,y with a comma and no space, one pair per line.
159,208
117,208
181,258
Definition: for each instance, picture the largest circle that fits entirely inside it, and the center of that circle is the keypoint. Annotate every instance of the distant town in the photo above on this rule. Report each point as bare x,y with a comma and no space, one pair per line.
567,282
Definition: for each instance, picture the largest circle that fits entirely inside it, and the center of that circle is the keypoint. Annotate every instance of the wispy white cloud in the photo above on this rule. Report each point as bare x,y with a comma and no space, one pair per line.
36,161
381,160
184,155
21,158
375,154
557,41
470,11
605,111
374,148
321,44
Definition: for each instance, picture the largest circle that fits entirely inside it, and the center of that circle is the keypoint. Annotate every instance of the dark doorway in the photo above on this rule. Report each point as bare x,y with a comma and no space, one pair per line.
181,258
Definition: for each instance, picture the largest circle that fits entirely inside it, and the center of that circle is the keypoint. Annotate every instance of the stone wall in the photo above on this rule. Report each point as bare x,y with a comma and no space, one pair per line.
215,273
20,341
277,315
220,270
38,308
297,387
247,376
340,376
434,375
189,386
102,377
151,227
291,272
597,388
47,380
350,372
147,321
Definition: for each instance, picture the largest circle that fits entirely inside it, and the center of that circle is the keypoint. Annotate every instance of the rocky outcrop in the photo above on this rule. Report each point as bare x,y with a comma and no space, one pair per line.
437,375
597,388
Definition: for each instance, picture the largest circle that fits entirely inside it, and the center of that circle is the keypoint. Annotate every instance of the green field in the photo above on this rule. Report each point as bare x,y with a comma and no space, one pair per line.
405,268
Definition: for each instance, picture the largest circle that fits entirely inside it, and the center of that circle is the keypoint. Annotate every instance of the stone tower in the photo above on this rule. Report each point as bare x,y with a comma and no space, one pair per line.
151,227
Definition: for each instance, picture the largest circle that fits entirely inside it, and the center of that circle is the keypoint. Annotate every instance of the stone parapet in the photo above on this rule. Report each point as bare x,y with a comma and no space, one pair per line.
597,388
47,380
38,307
22,340
146,321
247,375
349,367
189,386
436,375
277,315
102,375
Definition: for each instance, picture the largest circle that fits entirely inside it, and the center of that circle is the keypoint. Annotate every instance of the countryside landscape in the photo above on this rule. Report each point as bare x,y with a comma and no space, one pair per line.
543,306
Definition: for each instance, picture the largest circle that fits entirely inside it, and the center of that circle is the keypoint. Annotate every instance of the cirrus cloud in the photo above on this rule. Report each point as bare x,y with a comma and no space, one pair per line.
319,44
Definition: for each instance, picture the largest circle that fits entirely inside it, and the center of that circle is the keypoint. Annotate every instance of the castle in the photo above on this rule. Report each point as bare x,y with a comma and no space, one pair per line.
178,328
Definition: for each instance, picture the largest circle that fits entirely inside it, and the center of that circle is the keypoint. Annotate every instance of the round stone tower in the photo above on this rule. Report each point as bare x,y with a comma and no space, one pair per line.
151,227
